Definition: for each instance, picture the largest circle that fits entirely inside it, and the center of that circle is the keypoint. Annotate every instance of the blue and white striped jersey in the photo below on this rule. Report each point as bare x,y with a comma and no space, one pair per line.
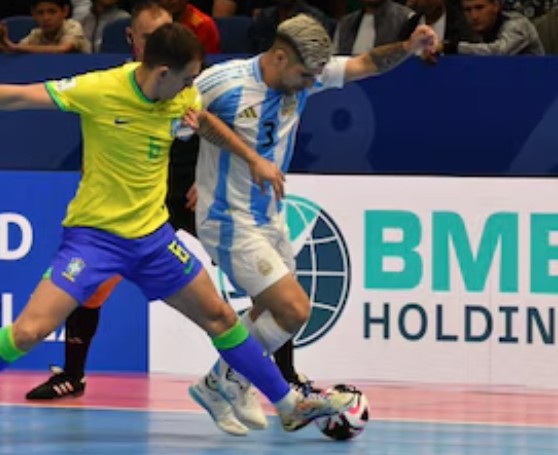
266,119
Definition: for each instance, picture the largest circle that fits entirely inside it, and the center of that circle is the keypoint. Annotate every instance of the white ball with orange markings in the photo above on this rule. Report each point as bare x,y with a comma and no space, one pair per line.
350,423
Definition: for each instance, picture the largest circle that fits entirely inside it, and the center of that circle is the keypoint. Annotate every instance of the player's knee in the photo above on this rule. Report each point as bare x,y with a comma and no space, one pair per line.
302,312
297,313
28,335
219,317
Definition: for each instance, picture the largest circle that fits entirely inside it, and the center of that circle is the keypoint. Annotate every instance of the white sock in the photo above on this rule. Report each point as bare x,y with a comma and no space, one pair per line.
268,333
247,321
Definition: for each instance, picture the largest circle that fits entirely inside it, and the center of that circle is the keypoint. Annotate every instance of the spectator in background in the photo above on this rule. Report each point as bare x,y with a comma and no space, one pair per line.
202,25
444,16
80,9
502,33
268,19
55,33
147,16
529,8
103,12
547,29
378,22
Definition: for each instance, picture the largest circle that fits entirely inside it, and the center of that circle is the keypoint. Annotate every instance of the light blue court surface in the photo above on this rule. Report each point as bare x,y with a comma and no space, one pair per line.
31,430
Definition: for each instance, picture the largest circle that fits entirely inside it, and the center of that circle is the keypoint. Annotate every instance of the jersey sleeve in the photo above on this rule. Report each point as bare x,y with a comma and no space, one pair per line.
225,104
191,100
209,84
333,75
197,103
78,94
220,94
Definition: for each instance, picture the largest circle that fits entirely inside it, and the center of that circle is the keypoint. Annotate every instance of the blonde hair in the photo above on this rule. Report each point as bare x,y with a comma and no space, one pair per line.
308,38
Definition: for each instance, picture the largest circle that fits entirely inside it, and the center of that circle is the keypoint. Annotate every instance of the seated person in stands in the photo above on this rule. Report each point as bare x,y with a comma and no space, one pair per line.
378,22
80,9
103,12
55,33
199,23
444,16
501,32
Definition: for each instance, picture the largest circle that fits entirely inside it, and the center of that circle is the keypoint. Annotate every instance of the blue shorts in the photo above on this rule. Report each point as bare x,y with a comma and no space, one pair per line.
159,263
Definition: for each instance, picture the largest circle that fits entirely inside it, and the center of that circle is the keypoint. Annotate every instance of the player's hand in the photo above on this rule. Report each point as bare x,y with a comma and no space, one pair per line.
424,39
263,171
191,198
191,118
5,43
432,57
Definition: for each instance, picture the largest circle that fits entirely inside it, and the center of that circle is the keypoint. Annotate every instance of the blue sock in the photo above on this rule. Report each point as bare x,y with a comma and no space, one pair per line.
3,364
245,355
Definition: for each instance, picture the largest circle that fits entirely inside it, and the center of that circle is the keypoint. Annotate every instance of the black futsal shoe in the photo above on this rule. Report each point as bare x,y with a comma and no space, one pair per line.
59,385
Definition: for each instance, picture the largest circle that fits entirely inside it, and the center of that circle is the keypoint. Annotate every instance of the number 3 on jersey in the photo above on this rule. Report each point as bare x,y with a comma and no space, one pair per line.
269,131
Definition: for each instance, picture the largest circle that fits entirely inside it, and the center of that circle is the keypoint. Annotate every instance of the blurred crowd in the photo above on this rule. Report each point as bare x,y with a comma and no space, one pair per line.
473,27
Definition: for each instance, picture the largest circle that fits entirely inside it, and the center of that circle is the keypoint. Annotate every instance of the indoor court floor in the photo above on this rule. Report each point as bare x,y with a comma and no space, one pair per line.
153,415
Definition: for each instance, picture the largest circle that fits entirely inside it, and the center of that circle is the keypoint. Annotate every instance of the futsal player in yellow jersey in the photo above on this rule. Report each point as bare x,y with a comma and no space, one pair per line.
133,178
117,223
81,325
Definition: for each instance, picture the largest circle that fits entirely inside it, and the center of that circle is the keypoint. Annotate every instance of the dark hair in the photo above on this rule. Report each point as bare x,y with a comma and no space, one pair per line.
60,3
144,5
172,45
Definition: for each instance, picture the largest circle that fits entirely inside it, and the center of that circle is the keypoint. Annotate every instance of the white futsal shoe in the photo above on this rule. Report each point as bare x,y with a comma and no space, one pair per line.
244,399
314,406
220,410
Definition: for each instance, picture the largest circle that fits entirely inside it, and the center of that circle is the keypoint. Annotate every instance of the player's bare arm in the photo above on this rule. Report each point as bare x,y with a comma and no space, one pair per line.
218,133
18,97
384,58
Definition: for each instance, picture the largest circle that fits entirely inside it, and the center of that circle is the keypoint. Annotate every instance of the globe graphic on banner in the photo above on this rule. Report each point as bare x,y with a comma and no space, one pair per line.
322,267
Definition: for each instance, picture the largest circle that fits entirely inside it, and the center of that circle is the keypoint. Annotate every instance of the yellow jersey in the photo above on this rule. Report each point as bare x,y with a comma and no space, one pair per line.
126,143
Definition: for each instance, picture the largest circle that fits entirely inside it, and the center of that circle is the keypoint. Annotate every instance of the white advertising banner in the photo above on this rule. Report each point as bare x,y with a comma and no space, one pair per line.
421,279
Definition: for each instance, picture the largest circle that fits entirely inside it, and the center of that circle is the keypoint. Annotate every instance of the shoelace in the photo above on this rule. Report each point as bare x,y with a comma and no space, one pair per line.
231,376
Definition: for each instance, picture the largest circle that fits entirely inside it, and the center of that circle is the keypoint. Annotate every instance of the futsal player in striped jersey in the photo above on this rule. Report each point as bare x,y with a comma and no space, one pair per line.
243,229
117,222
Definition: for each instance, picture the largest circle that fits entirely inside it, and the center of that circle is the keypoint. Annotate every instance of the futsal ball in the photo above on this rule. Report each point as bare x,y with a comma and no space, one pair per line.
347,424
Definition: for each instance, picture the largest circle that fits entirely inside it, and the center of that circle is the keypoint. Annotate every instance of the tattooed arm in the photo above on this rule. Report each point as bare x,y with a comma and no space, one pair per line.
384,58
214,130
